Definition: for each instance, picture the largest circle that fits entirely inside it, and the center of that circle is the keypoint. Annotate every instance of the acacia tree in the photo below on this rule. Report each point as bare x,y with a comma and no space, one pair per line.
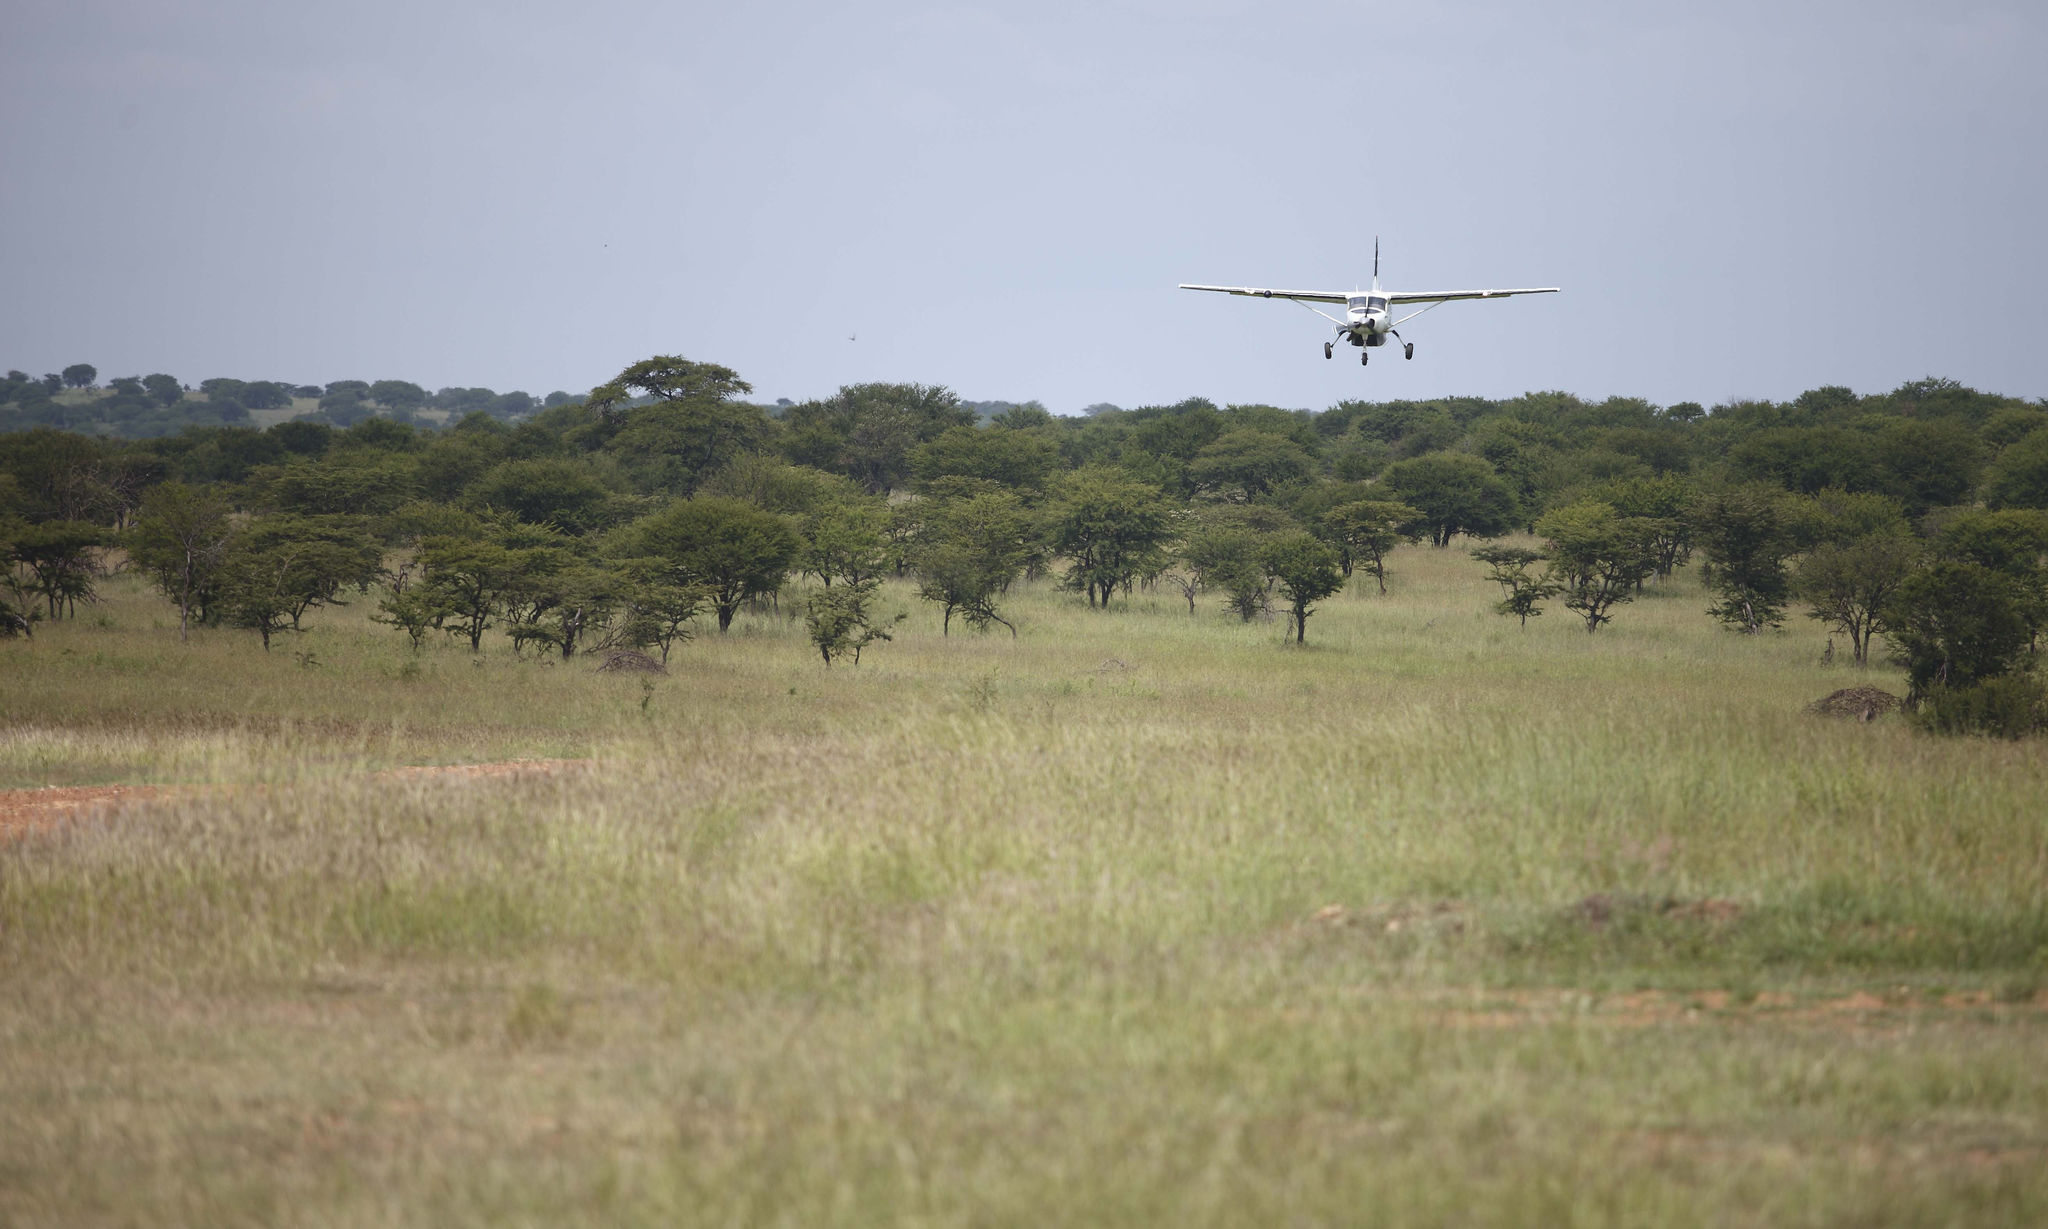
19,610
318,557
1660,505
553,597
1522,595
412,609
467,580
62,559
1247,464
1598,557
694,425
1456,494
969,552
658,608
846,540
840,620
2019,478
1306,569
180,537
164,388
258,589
1231,560
1955,624
1848,585
1111,527
2012,542
1370,528
1746,534
731,549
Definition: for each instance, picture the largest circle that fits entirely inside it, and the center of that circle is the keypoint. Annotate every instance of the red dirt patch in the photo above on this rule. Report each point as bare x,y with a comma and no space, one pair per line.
30,810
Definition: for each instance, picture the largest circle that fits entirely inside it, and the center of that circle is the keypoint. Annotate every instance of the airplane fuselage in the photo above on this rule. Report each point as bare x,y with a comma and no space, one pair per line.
1367,318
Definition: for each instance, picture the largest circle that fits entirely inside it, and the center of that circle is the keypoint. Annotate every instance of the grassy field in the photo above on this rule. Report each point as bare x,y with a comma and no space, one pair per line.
1136,919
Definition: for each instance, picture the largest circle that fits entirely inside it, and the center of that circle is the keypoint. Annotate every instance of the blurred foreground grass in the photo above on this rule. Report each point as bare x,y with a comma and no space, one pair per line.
1139,918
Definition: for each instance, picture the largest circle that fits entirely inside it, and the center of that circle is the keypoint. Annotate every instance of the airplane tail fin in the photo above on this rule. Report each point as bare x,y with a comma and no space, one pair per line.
1375,262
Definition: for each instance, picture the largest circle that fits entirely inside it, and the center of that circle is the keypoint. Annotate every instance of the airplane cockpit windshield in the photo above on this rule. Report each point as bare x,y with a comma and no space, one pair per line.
1364,303
1376,303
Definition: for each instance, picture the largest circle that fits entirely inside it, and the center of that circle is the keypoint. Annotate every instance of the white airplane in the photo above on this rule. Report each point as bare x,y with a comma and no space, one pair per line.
1369,313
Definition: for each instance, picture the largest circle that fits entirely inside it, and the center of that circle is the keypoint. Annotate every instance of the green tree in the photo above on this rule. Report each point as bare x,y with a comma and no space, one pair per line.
732,549
841,620
1662,505
1228,559
1928,463
1370,529
1522,595
694,426
1111,527
304,561
969,552
1849,585
265,395
258,589
1306,570
550,491
1598,557
1954,624
869,431
354,481
1455,494
466,580
222,388
1019,459
554,598
846,540
19,607
2012,542
658,608
164,388
180,538
81,375
2019,477
62,557
414,610
1807,460
1746,534
1245,465
399,396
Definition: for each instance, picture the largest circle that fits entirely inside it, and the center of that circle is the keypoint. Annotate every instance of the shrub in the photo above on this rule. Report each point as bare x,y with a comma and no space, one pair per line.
2010,706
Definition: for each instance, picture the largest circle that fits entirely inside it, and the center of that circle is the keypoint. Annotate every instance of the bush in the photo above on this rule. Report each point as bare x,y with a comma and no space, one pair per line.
2011,706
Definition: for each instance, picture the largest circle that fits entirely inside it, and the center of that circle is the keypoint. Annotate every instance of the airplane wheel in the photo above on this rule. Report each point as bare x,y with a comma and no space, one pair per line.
1364,357
1326,349
1411,350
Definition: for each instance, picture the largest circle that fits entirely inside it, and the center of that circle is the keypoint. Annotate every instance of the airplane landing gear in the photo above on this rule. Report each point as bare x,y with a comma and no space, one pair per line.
1326,348
1409,347
1364,357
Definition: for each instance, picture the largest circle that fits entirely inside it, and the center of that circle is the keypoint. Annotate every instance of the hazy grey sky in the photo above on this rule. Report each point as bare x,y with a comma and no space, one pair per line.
1740,200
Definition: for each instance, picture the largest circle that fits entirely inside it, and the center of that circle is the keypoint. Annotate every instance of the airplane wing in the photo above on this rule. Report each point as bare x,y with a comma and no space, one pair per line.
1445,296
1299,296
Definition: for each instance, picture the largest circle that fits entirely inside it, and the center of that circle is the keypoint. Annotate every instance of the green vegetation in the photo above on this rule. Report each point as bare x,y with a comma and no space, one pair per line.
1129,919
1149,911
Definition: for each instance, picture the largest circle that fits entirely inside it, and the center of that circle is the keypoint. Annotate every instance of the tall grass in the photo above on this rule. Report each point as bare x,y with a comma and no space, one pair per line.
1139,917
